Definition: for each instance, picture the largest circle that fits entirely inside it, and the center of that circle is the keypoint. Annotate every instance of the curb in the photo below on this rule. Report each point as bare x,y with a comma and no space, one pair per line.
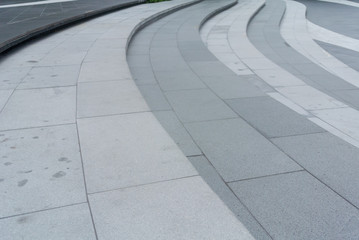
156,17
31,34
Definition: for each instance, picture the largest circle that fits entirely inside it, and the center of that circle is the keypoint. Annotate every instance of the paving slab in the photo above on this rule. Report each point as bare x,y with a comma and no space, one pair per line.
336,17
215,181
178,133
192,212
4,96
103,71
11,77
298,206
330,159
108,98
41,160
198,105
143,75
72,222
238,151
54,76
272,118
349,96
229,87
349,57
210,69
155,98
39,107
119,151
310,98
178,80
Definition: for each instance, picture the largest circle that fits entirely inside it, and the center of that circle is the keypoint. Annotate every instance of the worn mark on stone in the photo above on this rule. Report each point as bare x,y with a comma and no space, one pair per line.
1,180
8,163
13,147
29,171
6,139
59,174
36,137
63,159
22,220
22,183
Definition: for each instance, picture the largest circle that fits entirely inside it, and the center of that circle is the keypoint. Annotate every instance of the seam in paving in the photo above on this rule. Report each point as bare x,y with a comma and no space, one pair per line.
112,115
293,109
80,152
141,185
329,187
42,126
43,210
239,199
298,135
265,176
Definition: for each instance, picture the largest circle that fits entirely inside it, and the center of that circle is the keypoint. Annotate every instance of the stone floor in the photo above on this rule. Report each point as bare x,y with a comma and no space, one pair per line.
185,119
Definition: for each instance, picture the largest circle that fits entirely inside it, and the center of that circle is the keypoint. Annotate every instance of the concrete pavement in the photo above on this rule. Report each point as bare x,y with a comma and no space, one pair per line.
221,120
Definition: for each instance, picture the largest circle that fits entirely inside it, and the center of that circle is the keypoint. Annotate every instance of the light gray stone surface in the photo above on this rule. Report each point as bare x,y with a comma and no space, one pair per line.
215,181
272,118
176,130
143,75
70,58
238,151
11,76
4,96
120,151
155,98
39,107
72,222
330,159
298,206
192,212
53,76
102,71
108,98
198,105
41,161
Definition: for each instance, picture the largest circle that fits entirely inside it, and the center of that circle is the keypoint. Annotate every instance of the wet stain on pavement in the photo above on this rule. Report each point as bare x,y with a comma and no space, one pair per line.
59,174
22,183
22,220
64,159
29,171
